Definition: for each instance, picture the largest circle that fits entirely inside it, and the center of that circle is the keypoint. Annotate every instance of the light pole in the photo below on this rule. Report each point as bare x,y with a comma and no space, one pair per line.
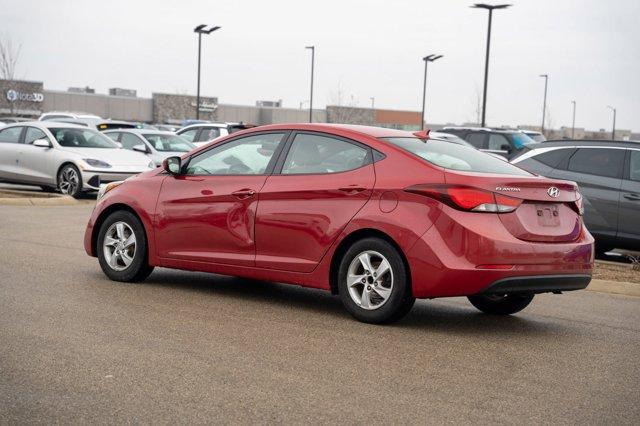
313,54
573,122
544,101
613,130
490,8
201,29
373,102
426,60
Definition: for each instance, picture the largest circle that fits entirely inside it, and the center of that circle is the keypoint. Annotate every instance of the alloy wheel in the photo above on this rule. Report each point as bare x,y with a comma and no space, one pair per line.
370,280
69,181
119,246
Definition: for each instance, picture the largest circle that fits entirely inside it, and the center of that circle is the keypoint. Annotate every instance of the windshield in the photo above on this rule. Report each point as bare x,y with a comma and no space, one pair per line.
168,143
456,157
82,138
520,140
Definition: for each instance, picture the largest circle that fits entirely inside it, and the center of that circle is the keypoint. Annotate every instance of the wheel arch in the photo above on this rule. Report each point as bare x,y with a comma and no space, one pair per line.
62,165
349,240
103,216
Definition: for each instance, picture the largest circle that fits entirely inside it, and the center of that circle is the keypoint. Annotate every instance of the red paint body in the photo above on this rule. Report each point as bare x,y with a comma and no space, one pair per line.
290,228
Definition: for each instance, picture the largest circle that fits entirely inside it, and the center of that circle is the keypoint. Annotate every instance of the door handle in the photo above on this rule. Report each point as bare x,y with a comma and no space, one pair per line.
632,196
352,189
244,193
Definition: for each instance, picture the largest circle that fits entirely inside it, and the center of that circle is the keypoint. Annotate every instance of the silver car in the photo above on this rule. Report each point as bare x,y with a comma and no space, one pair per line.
68,157
156,144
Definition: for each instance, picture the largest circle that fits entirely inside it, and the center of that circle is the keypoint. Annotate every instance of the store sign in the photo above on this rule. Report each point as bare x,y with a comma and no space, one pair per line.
14,95
206,106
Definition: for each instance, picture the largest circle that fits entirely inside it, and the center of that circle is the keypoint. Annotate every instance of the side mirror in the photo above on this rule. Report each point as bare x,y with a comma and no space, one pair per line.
140,148
42,143
172,165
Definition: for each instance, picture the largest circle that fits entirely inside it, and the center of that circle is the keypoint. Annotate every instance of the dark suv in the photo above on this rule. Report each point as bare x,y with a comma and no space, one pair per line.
608,173
508,143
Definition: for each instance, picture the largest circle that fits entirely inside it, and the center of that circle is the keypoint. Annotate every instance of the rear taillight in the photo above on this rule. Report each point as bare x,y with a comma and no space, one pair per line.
579,205
468,198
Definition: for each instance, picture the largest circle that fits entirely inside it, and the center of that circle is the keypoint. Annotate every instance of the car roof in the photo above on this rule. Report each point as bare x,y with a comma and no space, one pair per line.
587,142
141,131
376,132
46,124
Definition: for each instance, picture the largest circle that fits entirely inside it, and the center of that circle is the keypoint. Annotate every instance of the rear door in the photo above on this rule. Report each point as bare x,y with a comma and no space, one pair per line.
598,172
10,168
629,222
318,187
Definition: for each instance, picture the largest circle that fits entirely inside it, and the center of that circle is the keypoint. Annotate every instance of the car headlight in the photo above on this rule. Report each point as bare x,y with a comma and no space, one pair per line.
108,187
96,163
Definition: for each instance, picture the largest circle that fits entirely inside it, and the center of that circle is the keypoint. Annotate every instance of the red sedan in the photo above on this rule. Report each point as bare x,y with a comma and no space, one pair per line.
374,215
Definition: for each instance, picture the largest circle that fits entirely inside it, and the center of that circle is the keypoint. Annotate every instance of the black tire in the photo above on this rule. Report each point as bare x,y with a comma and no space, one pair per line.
506,304
139,268
399,302
74,190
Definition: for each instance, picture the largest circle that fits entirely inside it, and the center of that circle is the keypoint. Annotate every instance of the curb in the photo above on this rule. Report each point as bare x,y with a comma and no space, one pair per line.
39,201
615,287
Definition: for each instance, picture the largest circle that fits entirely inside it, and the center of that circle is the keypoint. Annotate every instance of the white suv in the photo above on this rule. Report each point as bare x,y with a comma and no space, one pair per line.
202,133
56,115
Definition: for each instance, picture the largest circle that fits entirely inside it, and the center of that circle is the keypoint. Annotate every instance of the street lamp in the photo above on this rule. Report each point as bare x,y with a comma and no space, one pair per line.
201,29
613,130
313,54
573,123
426,60
490,8
544,101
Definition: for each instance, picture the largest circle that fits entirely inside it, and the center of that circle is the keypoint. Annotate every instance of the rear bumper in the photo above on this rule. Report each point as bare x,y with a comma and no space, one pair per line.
538,284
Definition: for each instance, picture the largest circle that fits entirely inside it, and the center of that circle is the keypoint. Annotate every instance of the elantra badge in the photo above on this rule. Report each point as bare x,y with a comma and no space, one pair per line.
507,188
553,192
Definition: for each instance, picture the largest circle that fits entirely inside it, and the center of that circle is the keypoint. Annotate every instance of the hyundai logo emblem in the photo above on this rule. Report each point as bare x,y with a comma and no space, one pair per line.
553,192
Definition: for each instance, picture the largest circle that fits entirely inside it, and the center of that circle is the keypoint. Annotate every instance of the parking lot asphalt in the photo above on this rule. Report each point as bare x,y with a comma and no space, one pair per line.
190,347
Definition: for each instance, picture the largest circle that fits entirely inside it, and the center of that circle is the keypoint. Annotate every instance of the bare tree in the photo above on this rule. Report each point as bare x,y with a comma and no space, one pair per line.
476,103
347,111
9,56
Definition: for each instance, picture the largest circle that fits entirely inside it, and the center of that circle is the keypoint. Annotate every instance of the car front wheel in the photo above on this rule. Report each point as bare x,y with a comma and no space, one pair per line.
122,248
70,181
503,304
373,282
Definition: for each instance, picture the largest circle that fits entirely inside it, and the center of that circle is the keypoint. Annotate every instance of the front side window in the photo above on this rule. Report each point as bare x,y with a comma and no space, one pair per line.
456,157
81,138
553,158
598,161
34,134
168,143
476,139
10,135
209,134
245,156
322,154
190,134
520,140
498,143
129,140
634,166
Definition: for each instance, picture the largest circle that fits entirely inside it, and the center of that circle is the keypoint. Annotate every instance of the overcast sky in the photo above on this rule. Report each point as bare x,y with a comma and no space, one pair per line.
364,49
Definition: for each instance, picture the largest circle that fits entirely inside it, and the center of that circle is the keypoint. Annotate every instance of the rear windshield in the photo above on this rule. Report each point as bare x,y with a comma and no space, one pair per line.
456,157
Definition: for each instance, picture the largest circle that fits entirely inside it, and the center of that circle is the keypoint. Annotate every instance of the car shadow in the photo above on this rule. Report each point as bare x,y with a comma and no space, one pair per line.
445,315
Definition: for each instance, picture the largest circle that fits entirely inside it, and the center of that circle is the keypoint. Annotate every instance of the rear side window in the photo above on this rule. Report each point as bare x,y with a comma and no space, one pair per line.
598,161
476,139
10,135
321,154
554,157
456,157
634,166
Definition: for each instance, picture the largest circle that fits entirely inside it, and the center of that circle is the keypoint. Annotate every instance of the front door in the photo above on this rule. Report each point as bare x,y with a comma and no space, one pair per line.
38,163
207,214
629,223
324,181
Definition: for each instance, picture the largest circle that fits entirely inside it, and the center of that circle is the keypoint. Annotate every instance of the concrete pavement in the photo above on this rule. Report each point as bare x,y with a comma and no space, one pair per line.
190,347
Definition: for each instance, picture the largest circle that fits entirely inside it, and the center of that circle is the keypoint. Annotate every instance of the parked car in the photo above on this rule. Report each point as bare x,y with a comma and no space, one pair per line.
508,143
156,145
96,123
55,115
167,127
448,137
70,158
375,215
202,133
608,174
9,120
536,136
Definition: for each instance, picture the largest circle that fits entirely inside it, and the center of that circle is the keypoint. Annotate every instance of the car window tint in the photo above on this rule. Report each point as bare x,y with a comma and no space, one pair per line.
189,134
498,142
113,135
634,166
81,138
208,134
476,139
553,158
245,156
33,134
597,161
322,154
129,140
10,135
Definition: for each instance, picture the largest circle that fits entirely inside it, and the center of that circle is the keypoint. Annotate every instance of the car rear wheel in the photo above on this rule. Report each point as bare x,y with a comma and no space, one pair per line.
70,181
122,248
501,304
373,282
